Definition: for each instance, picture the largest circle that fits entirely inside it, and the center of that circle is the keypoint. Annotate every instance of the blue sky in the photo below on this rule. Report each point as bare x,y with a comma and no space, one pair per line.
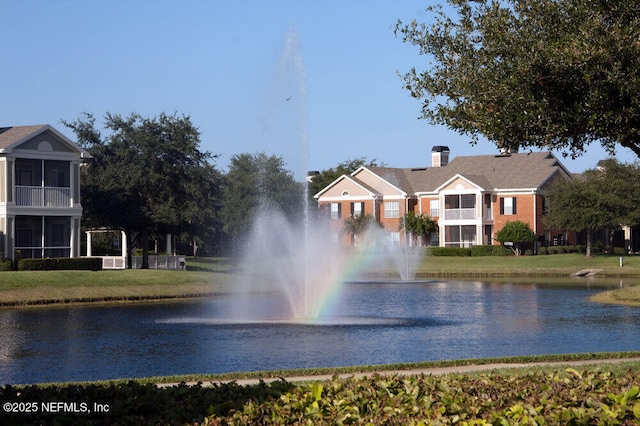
314,82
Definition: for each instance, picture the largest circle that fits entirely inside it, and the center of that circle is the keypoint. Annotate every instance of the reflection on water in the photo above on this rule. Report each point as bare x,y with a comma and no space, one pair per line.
370,323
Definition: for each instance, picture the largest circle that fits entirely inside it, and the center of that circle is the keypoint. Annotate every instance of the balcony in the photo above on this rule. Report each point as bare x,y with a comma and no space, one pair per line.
43,196
460,214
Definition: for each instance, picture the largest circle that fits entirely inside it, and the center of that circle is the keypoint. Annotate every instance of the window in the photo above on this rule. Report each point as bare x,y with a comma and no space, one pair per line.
460,201
392,209
468,201
434,208
460,236
336,210
508,205
57,174
357,209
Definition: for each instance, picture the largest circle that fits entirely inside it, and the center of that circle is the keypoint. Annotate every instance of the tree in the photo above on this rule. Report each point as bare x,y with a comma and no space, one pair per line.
147,176
358,225
607,196
517,233
419,226
556,74
255,182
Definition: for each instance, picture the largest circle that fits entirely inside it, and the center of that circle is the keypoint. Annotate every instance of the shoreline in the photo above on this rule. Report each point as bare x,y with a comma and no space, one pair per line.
605,297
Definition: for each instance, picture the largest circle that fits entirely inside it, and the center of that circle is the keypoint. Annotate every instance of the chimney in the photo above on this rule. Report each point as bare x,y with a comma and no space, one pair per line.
439,156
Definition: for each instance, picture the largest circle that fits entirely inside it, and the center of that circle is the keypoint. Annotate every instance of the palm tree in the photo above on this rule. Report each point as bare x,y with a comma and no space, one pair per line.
419,226
358,225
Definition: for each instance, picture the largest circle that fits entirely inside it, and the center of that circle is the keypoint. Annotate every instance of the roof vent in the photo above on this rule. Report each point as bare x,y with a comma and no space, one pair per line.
439,156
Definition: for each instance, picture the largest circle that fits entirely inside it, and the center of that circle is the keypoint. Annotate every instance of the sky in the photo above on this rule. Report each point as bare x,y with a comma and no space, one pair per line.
314,82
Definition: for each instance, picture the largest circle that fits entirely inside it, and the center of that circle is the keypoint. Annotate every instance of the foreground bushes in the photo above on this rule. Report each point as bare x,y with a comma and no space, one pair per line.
542,398
61,263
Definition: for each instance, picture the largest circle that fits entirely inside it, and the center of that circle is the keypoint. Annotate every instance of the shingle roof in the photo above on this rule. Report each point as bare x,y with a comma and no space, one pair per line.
11,135
515,171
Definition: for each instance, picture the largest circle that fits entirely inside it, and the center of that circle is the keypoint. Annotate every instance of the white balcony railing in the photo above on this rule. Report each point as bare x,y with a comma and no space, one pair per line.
459,214
43,196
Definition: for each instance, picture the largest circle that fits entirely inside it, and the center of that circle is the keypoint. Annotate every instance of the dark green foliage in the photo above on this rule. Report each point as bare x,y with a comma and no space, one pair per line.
607,196
531,73
561,398
148,176
419,226
6,264
61,264
493,250
528,252
448,251
558,397
257,182
133,403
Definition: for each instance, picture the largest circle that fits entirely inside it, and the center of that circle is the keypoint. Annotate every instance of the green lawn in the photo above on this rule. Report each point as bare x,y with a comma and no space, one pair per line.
547,265
206,276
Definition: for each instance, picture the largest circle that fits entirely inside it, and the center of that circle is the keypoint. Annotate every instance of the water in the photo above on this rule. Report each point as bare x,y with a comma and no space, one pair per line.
368,323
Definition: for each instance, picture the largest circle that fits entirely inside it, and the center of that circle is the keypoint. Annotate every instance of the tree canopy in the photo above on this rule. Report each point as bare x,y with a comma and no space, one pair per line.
254,182
552,74
419,226
148,176
516,232
607,196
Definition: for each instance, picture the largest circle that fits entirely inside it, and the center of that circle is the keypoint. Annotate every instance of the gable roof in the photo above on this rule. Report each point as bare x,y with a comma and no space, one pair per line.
515,171
11,137
343,177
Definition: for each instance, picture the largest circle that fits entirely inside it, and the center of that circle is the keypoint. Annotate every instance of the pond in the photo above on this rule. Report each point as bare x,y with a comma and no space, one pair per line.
367,323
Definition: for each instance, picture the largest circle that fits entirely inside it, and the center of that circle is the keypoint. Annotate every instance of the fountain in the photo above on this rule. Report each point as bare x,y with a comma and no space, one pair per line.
292,269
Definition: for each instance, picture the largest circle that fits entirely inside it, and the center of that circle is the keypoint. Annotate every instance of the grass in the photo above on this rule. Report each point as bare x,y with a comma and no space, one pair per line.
45,287
543,265
538,362
209,276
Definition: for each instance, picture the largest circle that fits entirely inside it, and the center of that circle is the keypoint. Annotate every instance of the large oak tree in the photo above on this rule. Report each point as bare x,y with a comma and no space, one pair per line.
552,74
604,197
147,176
255,183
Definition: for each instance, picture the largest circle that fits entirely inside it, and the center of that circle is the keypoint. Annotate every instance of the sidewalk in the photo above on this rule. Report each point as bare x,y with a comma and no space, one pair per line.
435,371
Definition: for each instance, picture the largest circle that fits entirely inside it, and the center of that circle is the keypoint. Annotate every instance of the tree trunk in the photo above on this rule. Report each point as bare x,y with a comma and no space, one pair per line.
129,234
589,243
145,249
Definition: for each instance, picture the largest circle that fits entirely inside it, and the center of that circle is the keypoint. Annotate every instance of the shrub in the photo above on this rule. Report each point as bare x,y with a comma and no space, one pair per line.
561,249
552,250
580,248
60,264
543,250
494,250
528,252
449,251
6,265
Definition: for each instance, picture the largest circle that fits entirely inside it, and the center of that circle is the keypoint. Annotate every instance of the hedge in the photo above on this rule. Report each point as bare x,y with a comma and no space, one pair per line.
60,264
495,250
449,251
6,265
